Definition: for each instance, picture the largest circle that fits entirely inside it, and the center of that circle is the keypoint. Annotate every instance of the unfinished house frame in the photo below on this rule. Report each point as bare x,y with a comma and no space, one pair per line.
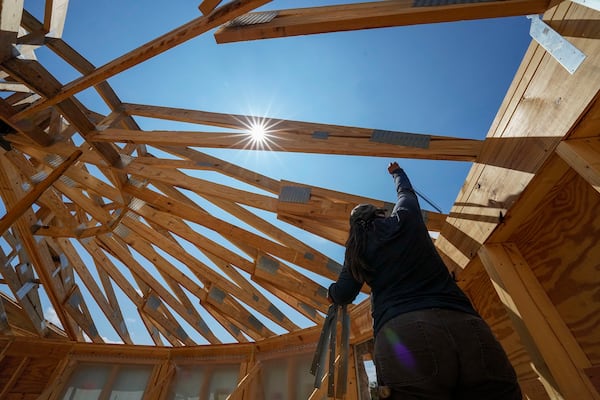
89,207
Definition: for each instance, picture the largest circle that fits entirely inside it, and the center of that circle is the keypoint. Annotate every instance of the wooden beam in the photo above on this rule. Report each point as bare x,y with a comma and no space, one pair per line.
382,14
55,14
319,262
14,87
16,210
114,315
121,251
34,75
67,53
10,21
30,304
583,155
10,16
153,48
37,253
203,187
374,143
289,280
245,382
75,306
208,6
159,381
228,230
207,275
26,127
564,357
226,168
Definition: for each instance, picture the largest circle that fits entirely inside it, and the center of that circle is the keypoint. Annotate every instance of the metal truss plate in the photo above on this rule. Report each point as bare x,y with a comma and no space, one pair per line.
401,138
294,194
569,56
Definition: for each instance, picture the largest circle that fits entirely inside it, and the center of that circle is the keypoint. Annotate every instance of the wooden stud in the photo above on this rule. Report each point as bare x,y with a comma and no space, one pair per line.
562,354
58,379
245,382
158,383
583,155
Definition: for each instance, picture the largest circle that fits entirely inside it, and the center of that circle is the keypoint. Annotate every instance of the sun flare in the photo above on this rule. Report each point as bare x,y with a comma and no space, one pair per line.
258,131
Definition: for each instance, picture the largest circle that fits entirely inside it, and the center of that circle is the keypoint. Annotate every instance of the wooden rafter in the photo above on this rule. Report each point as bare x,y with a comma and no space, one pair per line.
372,143
147,225
304,21
157,46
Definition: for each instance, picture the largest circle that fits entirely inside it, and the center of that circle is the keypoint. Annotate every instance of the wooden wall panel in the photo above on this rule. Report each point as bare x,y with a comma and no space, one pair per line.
561,243
35,376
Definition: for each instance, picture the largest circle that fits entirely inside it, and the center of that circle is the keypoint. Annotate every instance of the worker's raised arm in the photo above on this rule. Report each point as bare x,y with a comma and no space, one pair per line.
407,198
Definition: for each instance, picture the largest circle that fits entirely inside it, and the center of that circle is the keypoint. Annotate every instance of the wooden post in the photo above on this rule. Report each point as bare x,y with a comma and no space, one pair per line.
520,290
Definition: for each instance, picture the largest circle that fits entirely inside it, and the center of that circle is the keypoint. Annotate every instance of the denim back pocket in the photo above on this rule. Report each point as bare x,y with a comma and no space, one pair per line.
493,357
404,354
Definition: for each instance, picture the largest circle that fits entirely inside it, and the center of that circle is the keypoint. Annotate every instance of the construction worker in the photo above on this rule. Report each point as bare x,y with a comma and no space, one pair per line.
430,343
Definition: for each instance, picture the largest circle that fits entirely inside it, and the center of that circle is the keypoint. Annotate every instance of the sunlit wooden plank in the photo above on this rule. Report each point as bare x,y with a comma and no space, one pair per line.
370,143
381,14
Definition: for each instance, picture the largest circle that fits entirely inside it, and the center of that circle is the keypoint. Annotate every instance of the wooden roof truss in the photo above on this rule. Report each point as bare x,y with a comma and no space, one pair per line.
102,215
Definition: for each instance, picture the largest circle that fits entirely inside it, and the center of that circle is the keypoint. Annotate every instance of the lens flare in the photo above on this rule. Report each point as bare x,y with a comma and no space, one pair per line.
258,131
402,353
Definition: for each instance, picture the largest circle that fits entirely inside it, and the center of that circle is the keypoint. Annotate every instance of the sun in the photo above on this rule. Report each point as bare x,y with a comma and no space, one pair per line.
258,131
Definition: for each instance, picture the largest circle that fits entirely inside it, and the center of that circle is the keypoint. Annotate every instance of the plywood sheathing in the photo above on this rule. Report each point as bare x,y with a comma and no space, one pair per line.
543,106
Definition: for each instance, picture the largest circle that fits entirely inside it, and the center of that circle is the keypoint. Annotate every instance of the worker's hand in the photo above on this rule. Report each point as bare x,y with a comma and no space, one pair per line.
392,167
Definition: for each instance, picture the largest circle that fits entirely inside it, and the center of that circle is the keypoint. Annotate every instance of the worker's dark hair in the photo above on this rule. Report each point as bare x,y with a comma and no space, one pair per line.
361,220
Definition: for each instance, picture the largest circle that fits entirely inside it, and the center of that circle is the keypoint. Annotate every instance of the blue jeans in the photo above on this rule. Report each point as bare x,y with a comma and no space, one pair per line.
443,354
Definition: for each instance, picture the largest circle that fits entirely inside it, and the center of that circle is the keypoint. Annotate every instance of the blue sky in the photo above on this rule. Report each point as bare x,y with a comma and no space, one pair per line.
441,79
